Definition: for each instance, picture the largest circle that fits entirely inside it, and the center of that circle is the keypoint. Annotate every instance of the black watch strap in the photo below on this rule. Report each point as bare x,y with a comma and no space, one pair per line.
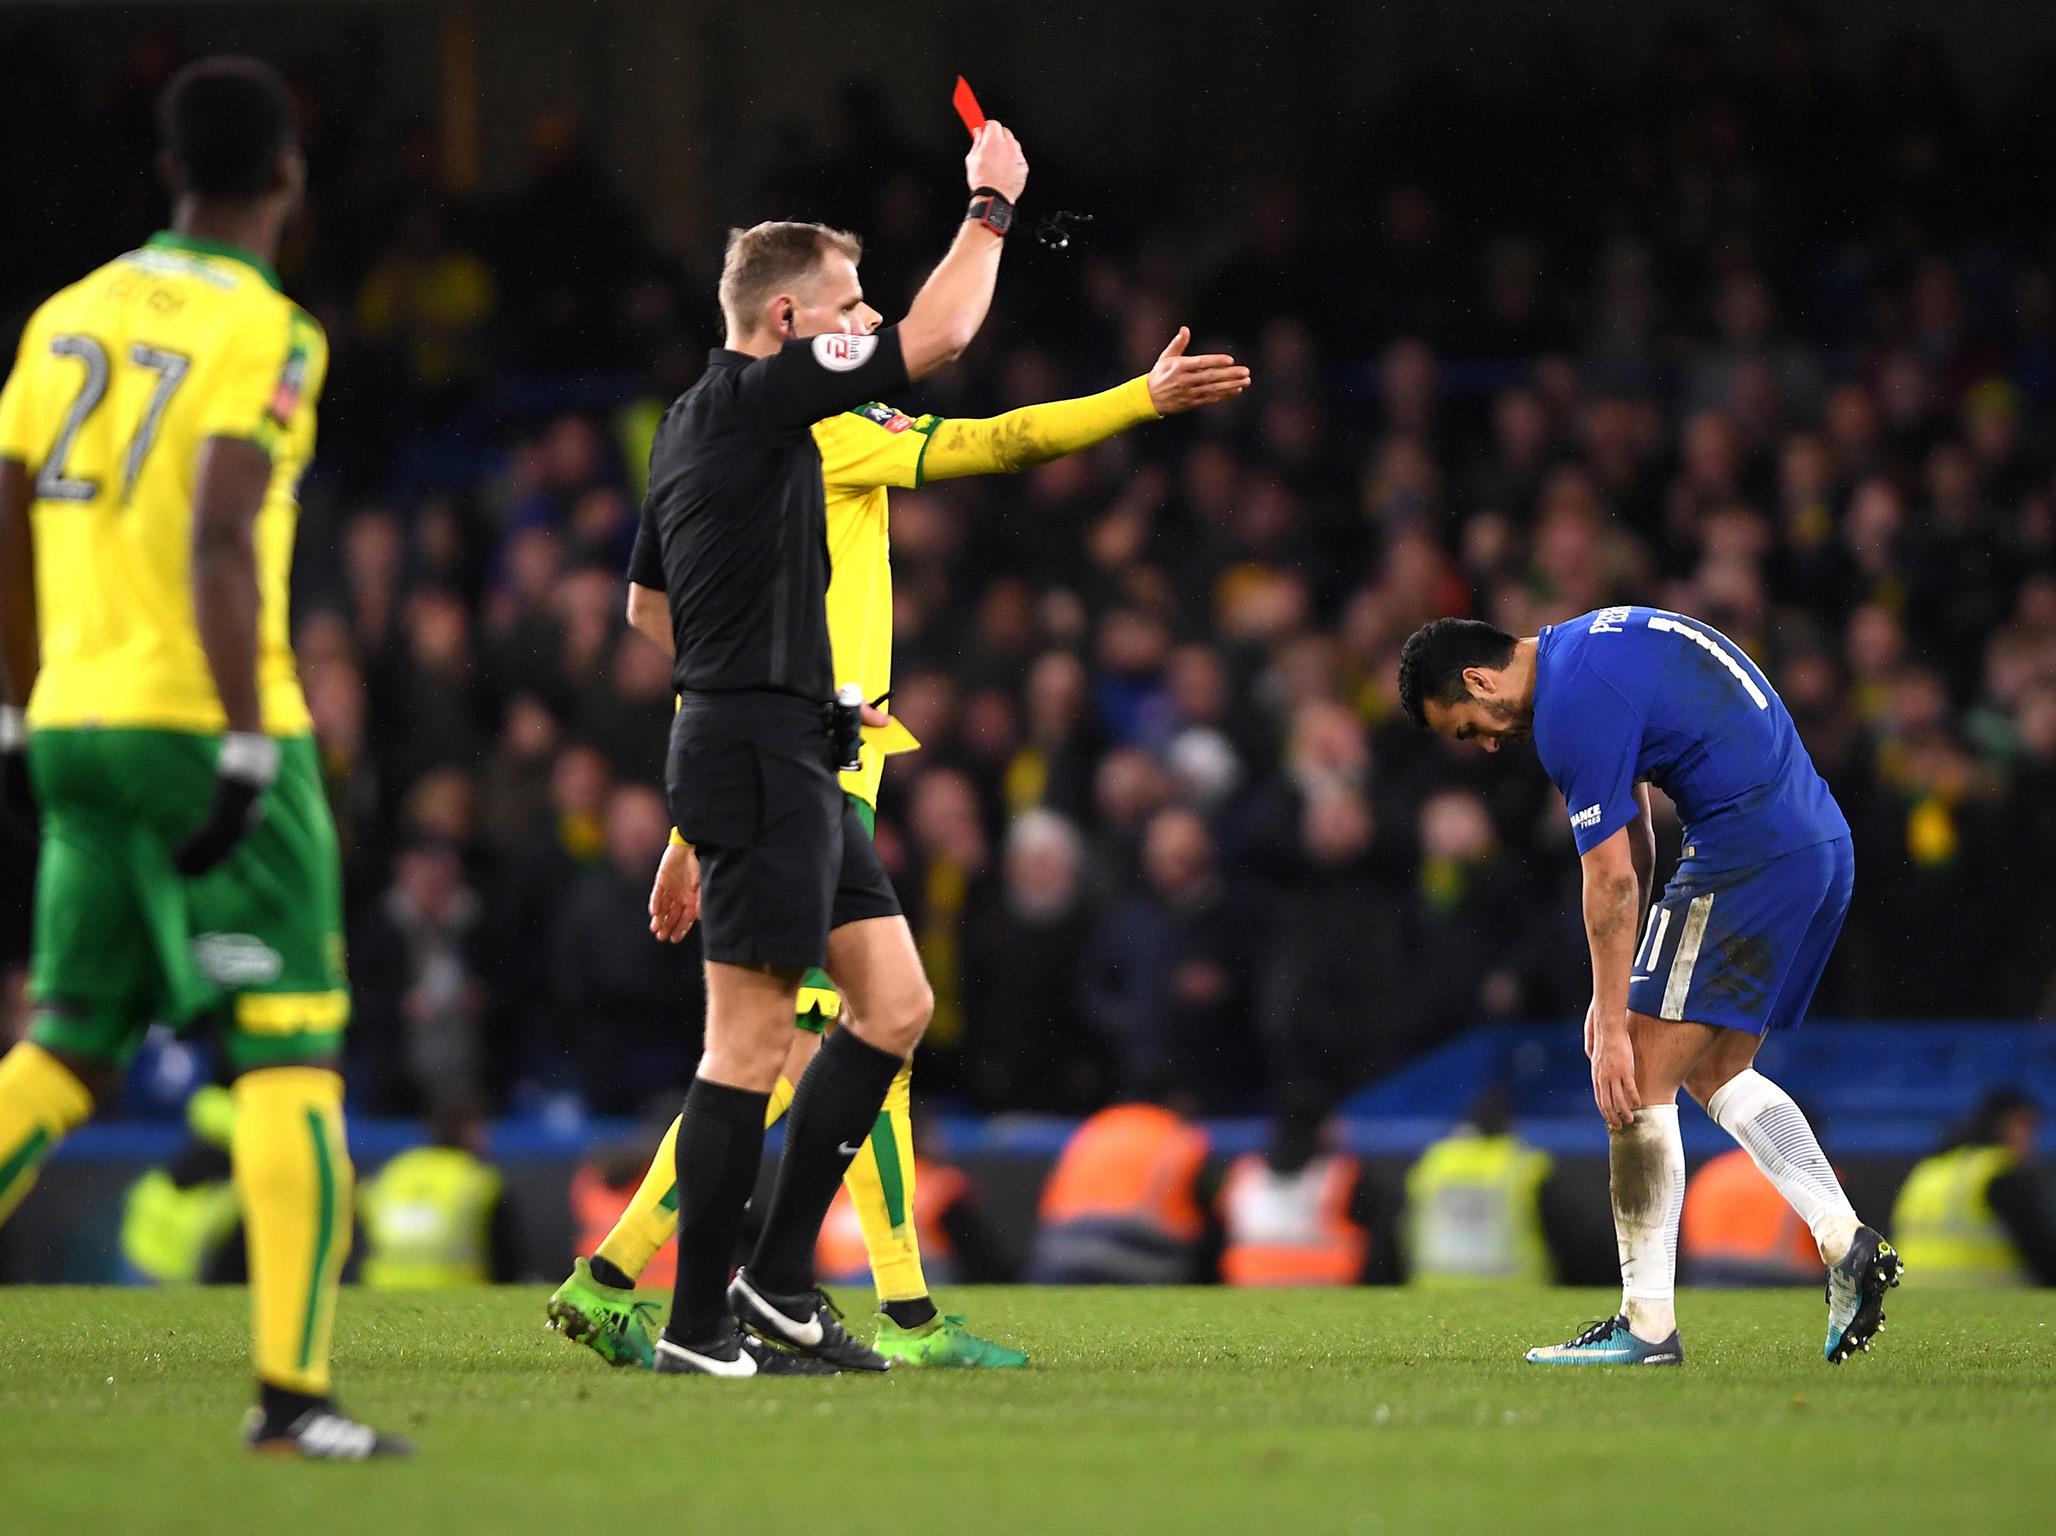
990,207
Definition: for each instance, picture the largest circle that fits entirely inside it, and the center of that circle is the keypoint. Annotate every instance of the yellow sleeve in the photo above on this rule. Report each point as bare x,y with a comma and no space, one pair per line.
22,432
1035,434
263,377
872,446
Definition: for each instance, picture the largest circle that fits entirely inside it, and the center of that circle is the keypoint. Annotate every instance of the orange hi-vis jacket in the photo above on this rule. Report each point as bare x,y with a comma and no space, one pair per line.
595,1206
1738,1230
842,1256
1122,1204
1292,1229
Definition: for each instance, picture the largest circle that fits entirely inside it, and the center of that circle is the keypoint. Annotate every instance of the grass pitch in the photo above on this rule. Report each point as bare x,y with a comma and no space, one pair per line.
1368,1411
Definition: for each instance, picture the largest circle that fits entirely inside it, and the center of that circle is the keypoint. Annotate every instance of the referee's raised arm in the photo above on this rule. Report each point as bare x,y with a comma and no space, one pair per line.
809,373
951,305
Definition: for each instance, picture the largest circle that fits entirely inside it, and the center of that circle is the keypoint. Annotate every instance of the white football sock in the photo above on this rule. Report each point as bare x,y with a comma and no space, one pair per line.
1762,1117
1647,1164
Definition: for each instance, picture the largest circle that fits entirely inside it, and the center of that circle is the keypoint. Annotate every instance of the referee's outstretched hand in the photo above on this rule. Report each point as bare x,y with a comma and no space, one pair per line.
675,897
1180,383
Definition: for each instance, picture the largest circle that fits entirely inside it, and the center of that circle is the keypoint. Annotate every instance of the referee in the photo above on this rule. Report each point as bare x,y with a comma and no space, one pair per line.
789,879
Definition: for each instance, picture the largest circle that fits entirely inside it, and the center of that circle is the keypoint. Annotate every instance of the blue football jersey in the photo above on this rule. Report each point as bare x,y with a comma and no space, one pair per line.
1627,694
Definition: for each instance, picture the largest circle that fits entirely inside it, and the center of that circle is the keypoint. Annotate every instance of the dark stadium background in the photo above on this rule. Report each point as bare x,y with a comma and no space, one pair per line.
1749,311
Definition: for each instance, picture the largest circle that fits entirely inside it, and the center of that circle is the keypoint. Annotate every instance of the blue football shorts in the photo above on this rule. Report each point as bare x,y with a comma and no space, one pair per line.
1744,949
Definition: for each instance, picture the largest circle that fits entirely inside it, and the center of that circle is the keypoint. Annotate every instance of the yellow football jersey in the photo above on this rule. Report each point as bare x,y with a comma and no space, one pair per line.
120,379
863,453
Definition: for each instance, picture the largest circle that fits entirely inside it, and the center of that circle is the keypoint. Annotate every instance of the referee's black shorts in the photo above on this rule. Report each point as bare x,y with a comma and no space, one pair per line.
783,857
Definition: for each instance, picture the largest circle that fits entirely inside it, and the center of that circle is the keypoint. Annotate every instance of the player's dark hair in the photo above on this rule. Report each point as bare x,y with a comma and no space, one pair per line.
224,121
1433,660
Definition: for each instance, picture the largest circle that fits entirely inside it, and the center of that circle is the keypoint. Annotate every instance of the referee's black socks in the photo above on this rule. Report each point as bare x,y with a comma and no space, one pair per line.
833,1110
720,1144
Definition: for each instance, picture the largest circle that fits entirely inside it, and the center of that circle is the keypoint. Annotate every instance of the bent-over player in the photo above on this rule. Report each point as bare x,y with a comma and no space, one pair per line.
1617,700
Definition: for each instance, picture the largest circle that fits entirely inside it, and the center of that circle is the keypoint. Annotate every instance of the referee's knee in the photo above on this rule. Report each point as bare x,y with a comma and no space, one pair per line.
898,1025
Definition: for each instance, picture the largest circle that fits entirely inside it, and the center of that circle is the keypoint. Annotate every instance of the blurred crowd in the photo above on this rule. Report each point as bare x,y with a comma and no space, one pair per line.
1747,338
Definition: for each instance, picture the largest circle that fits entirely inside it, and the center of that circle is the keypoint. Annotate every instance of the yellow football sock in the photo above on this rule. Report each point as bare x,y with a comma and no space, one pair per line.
882,1187
651,1219
880,1180
40,1103
292,1173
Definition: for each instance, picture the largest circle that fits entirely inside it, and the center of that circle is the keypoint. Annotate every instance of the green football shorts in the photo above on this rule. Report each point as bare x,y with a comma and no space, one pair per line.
121,941
820,1004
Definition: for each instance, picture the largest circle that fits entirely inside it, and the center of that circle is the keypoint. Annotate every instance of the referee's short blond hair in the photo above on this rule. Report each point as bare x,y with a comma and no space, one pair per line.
769,256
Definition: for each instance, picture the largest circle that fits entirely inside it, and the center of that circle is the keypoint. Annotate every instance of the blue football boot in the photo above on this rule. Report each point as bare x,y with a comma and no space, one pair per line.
1856,1294
1608,1342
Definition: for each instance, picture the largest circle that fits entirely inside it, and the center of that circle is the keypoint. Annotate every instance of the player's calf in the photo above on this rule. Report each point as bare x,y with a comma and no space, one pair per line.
42,1099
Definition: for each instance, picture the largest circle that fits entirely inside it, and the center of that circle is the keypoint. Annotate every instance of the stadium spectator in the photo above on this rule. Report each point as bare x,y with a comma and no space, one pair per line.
631,1003
1332,1005
1166,982
179,1219
1477,1204
1126,1203
1474,938
1028,1041
419,975
1298,1213
429,298
1737,1230
1977,1212
436,1217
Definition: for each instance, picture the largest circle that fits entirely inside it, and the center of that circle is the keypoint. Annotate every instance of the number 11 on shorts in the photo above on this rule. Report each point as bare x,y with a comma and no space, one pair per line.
1652,943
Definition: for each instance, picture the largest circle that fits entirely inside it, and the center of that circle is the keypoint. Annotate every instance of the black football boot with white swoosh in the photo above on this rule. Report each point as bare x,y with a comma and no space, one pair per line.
808,1324
320,1433
737,1355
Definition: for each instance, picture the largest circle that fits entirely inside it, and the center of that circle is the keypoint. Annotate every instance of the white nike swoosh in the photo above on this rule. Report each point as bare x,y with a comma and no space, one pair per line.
741,1365
807,1334
1633,979
847,1150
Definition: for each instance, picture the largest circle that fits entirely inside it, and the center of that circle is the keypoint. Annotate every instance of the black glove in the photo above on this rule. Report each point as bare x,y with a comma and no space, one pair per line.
17,795
247,765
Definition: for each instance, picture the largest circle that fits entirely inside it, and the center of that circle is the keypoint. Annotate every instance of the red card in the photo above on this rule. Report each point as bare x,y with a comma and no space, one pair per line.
967,106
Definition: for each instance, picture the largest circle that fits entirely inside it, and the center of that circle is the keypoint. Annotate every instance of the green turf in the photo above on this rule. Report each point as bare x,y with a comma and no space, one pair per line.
1191,1411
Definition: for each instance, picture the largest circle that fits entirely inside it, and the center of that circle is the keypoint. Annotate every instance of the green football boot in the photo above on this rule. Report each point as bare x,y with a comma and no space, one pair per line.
942,1343
607,1320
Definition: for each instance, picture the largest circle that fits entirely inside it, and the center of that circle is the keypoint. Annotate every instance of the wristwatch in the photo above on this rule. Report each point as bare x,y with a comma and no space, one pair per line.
989,206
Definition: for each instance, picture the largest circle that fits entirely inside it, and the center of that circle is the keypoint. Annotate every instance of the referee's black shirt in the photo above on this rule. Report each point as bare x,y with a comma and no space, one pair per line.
735,526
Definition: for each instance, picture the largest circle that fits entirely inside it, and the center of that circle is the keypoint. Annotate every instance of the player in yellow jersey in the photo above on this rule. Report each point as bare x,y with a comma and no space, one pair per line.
863,453
153,432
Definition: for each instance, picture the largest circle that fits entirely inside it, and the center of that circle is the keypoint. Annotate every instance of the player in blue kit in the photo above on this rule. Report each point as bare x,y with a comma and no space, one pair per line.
1615,701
